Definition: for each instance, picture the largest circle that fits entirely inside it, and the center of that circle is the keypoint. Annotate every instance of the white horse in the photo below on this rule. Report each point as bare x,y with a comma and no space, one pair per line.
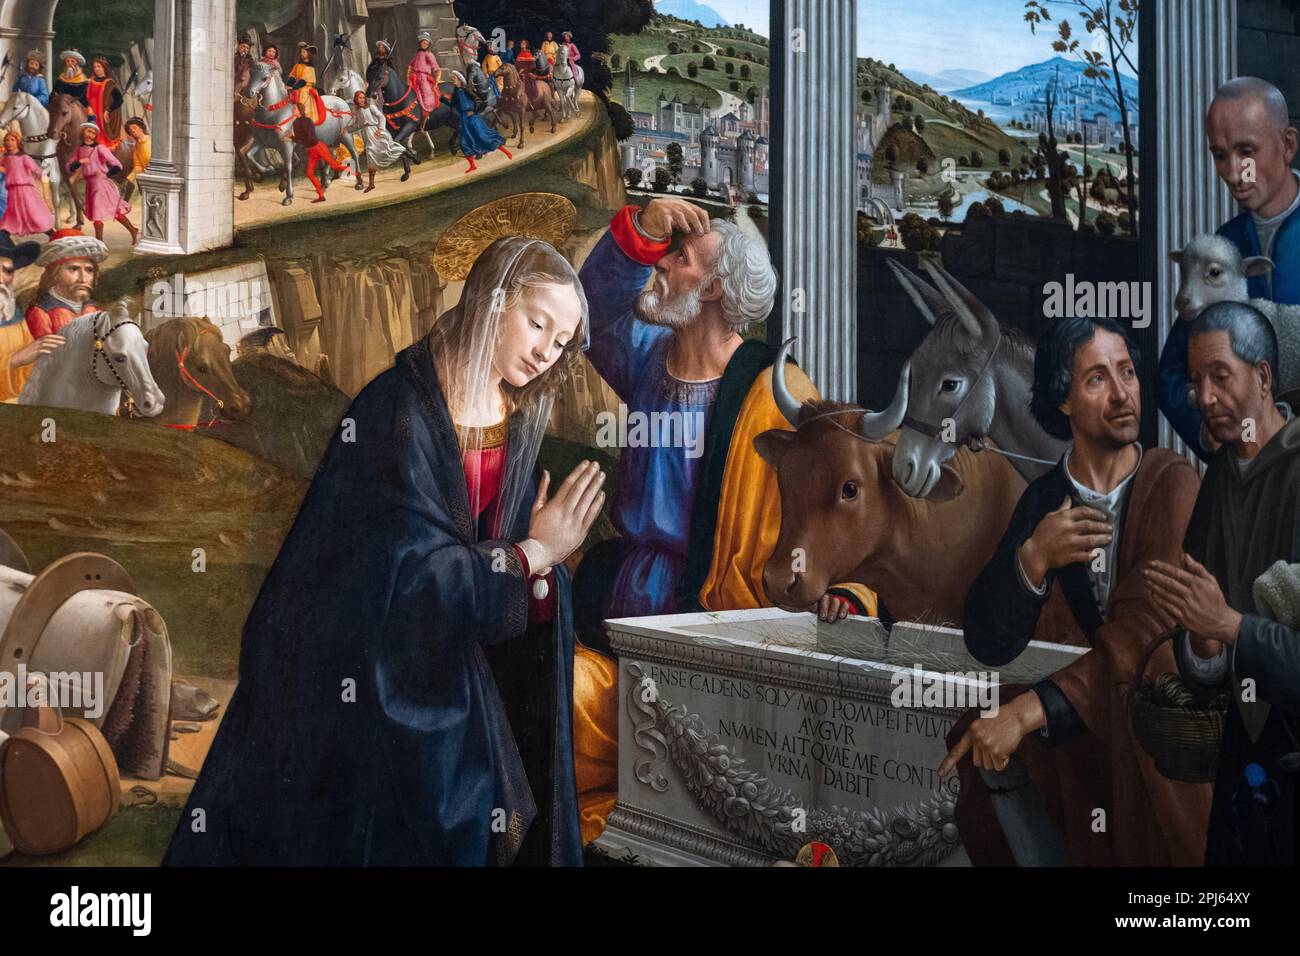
566,83
347,85
104,356
34,122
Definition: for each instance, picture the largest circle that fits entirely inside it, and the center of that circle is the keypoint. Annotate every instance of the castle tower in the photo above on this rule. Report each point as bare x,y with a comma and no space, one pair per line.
884,101
746,160
629,90
709,156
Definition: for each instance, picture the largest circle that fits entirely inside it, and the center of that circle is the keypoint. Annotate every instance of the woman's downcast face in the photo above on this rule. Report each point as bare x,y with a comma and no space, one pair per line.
534,332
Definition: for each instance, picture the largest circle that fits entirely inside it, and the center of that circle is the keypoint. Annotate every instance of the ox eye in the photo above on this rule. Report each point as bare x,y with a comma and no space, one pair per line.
203,369
850,490
950,384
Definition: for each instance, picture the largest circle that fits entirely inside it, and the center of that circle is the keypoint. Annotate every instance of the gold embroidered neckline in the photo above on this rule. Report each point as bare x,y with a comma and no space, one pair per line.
474,437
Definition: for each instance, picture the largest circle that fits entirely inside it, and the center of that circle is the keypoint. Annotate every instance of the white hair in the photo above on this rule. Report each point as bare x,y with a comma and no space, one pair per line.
748,277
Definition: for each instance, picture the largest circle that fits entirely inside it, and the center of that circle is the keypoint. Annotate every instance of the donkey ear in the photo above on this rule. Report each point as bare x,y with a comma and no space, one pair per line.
772,445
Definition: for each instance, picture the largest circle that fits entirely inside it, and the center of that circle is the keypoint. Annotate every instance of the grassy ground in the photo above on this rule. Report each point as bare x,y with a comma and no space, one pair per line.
147,496
135,836
720,79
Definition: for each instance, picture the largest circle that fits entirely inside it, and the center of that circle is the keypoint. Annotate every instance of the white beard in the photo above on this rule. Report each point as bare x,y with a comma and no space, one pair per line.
654,307
8,304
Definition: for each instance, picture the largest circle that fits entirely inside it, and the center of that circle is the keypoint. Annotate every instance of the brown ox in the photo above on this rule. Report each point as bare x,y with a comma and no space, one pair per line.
841,505
190,362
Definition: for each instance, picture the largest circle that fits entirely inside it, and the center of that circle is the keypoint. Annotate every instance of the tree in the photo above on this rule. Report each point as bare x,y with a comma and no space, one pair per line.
731,51
692,69
734,86
699,187
947,203
633,177
1116,31
751,95
696,48
963,160
730,68
977,158
621,120
662,179
676,161
673,47
710,63
1106,223
745,71
1004,156
919,122
922,165
908,106
891,154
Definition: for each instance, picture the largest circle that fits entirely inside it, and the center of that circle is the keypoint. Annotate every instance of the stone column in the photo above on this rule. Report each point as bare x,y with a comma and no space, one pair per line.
1190,51
187,191
818,251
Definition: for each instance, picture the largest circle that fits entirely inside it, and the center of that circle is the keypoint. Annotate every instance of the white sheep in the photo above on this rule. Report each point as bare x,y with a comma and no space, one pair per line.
1212,269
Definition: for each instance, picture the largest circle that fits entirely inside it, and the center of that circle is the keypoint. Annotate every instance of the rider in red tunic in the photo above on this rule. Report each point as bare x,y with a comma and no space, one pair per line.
105,101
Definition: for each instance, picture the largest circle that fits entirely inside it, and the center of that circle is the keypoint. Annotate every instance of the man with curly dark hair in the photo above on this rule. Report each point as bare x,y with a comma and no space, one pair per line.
1068,571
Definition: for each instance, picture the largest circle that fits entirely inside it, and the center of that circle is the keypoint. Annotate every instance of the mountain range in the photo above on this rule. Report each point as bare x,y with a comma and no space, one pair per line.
690,10
1027,85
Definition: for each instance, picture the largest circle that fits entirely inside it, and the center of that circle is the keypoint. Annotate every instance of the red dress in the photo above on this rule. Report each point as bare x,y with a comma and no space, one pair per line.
484,469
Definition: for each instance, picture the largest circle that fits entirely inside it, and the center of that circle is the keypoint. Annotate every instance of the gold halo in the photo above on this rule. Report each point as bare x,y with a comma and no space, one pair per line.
546,216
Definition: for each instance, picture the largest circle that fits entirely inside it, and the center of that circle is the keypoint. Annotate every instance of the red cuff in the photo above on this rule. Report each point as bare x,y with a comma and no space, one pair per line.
634,245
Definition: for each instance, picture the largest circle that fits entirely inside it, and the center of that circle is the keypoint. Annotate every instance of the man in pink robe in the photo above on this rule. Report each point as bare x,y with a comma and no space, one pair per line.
423,75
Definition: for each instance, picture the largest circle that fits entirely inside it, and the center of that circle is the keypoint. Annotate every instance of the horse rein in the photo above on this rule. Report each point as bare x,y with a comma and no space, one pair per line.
188,378
101,352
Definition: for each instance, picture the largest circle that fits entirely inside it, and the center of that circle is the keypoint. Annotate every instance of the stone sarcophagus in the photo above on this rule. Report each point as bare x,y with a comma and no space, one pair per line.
744,735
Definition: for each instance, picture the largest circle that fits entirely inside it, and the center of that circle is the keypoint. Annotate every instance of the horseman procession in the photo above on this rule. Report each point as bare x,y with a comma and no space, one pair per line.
68,150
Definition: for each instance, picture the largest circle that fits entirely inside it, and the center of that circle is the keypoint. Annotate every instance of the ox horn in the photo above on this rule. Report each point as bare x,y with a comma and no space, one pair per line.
876,425
923,295
786,403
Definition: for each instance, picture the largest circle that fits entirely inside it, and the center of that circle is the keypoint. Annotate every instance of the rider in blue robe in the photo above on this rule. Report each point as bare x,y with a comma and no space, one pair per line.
476,137
33,83
388,669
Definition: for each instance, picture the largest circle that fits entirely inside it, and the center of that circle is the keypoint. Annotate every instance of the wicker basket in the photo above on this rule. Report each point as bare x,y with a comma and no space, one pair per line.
1183,741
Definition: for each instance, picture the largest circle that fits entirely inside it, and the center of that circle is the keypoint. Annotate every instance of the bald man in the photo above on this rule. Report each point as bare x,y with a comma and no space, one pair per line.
1248,128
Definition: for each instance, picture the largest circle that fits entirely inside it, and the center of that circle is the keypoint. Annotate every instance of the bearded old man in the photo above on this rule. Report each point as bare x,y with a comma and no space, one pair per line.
71,263
18,349
696,523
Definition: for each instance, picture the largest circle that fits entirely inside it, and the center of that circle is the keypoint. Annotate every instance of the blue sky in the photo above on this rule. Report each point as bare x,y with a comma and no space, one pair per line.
988,35
924,34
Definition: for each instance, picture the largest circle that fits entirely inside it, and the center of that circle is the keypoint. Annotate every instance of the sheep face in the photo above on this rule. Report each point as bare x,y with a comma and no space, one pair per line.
1210,270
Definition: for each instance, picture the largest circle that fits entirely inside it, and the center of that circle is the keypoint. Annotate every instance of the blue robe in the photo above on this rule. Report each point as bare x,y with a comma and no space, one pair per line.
35,85
476,137
385,581
1177,405
654,500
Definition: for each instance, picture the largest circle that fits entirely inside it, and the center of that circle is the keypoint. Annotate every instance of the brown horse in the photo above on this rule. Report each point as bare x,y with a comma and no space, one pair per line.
530,94
66,116
190,362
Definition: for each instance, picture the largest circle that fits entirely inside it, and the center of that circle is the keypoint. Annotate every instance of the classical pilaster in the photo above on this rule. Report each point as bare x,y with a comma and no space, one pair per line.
818,250
1195,51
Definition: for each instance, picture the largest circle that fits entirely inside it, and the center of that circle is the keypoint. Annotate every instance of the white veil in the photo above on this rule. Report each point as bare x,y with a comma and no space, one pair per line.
464,342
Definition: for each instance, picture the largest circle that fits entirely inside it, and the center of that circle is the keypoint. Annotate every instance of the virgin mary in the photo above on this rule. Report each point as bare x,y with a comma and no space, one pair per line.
406,672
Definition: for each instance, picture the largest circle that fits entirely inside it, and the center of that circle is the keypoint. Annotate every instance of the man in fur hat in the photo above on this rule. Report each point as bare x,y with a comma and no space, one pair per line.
243,60
18,350
72,80
32,79
71,262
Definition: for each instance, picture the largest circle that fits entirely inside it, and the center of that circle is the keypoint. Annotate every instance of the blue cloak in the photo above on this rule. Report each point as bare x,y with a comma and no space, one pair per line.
476,137
384,663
